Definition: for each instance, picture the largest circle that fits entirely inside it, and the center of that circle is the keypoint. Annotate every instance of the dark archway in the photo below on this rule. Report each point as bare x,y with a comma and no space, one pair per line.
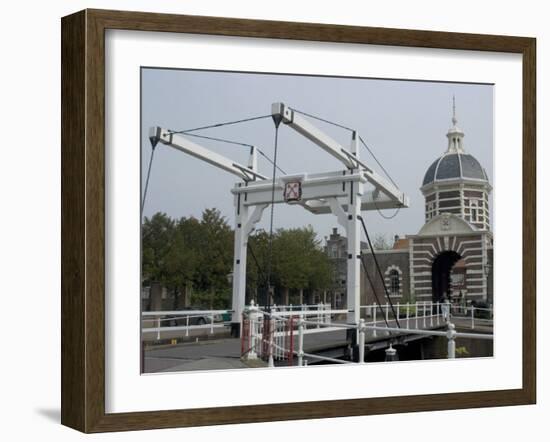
441,274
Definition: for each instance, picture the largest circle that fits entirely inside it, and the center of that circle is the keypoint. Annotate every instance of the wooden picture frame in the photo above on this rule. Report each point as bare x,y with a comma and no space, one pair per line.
83,219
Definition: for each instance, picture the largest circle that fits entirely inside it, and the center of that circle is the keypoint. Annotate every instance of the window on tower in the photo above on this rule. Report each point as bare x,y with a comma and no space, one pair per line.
394,282
475,214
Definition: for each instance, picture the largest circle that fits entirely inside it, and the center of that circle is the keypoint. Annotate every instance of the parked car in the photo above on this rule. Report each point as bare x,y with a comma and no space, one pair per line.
189,318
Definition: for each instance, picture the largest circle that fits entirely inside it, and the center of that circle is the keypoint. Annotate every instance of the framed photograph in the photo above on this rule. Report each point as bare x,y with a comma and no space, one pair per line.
269,221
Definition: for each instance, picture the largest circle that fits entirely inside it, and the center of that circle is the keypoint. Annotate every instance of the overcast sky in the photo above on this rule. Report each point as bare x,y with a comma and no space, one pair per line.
404,122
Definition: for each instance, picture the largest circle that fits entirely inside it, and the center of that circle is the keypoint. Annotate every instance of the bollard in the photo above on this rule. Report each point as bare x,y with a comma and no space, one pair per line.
301,340
158,328
473,310
361,341
451,345
212,324
270,330
391,354
253,321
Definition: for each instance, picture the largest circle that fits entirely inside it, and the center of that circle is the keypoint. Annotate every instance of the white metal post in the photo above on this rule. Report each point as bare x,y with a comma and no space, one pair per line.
431,314
354,252
473,310
301,340
361,341
398,311
253,317
451,345
408,305
424,314
187,325
158,328
374,334
239,259
416,314
270,327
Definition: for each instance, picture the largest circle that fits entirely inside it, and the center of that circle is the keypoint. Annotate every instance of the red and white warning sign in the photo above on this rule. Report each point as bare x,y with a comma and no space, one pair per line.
293,191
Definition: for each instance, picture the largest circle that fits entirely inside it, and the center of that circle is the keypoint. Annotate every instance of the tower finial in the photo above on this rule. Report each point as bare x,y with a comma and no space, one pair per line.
454,111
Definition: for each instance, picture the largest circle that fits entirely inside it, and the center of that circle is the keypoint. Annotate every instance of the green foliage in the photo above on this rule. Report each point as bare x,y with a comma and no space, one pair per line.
403,310
194,257
189,255
462,351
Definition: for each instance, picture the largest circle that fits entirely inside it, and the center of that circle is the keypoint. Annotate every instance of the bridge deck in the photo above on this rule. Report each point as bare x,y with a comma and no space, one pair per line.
218,351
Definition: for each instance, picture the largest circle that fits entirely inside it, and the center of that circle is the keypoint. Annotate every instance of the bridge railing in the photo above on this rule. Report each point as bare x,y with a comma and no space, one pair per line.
278,335
182,320
474,315
415,315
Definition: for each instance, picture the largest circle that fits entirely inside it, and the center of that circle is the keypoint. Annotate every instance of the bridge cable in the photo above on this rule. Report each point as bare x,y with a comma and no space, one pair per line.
258,266
392,216
270,255
377,161
147,179
379,270
238,143
226,123
369,150
323,120
374,291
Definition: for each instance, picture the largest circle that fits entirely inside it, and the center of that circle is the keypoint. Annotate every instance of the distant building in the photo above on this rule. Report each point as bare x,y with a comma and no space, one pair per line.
452,254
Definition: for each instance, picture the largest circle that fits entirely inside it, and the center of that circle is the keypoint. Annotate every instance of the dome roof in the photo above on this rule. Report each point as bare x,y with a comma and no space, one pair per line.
455,165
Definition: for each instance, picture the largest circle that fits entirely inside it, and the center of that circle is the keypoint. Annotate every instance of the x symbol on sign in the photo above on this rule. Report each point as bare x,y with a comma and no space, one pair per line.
293,191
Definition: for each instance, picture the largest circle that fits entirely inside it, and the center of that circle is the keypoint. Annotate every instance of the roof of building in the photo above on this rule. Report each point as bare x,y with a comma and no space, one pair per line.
455,163
401,243
455,166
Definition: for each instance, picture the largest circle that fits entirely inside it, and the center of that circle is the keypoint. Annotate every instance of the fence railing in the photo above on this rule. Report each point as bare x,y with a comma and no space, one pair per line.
278,334
182,320
425,314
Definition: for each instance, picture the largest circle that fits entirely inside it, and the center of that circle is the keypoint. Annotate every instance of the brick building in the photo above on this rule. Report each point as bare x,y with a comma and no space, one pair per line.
452,254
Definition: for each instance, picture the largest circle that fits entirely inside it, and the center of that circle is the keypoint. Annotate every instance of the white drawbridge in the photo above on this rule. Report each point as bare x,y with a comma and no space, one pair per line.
344,193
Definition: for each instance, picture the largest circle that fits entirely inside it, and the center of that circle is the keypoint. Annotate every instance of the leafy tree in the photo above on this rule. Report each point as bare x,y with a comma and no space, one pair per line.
183,259
381,242
192,258
157,237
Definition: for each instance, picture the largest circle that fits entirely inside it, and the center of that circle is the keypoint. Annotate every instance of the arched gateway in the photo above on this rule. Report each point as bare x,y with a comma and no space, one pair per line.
452,254
440,245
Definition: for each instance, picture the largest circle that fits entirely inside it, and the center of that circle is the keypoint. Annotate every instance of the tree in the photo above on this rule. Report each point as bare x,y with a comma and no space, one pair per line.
215,258
381,242
183,259
193,258
157,234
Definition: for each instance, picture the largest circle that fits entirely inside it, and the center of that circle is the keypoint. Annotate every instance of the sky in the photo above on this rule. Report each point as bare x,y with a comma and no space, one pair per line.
403,122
